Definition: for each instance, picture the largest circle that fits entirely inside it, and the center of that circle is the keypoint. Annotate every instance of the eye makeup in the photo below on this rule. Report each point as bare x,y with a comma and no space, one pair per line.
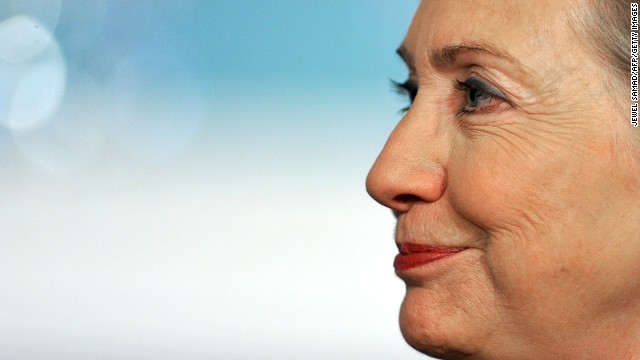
480,96
475,83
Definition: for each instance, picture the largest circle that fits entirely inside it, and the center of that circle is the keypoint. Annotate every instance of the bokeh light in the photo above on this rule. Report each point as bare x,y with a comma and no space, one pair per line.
46,11
186,179
38,89
73,135
22,37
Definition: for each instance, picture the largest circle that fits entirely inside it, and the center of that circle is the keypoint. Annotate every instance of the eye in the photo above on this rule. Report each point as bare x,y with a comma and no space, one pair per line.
480,97
408,89
475,97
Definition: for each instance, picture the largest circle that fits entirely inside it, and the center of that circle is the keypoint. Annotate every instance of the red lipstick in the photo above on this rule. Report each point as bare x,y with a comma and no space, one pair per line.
414,255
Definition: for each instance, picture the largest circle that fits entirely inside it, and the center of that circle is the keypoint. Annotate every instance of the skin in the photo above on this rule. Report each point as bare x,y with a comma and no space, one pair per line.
542,190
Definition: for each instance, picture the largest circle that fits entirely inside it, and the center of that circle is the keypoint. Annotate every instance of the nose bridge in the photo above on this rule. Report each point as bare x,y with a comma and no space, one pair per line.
418,141
412,164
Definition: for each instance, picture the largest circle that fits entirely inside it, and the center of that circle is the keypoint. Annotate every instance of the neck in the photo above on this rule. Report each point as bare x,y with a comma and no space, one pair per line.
615,336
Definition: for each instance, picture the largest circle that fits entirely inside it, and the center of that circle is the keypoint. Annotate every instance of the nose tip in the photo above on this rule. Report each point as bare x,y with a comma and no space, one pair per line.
412,165
398,183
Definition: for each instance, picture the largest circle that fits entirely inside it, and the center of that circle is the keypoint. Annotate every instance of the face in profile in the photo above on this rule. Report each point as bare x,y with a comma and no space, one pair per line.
514,179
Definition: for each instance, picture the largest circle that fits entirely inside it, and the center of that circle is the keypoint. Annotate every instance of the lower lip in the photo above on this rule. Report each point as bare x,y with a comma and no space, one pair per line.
409,258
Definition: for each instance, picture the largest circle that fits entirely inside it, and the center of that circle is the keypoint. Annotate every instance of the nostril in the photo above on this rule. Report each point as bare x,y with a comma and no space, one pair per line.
406,198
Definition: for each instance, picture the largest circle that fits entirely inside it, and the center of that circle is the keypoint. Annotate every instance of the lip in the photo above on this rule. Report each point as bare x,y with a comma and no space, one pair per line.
414,255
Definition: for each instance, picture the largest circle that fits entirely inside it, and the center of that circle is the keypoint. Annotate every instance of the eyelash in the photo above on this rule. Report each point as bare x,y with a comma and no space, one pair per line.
410,89
407,89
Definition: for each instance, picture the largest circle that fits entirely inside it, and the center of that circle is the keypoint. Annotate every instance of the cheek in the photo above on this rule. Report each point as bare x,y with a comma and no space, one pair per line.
500,193
507,182
508,196
496,188
545,211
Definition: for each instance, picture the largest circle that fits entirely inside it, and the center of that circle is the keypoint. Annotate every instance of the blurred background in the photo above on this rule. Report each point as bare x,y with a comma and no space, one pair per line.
185,179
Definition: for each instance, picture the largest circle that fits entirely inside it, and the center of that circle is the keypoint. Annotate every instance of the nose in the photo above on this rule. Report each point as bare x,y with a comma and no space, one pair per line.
411,167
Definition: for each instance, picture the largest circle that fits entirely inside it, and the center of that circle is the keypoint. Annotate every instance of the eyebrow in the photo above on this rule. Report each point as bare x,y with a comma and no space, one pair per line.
406,56
446,56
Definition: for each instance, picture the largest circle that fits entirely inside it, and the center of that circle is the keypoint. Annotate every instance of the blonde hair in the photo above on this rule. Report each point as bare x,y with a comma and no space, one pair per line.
604,26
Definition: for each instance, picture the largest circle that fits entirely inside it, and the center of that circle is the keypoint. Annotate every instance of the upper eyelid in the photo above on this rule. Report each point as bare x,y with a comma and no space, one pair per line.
410,87
475,82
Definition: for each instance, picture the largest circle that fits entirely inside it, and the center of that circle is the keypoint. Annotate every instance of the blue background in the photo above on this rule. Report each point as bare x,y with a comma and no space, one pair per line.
185,179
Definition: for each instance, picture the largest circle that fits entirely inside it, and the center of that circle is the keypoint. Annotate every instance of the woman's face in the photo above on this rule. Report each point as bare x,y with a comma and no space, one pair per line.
516,150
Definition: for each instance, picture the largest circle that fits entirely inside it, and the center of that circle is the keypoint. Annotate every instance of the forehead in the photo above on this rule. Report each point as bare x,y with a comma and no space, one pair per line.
532,31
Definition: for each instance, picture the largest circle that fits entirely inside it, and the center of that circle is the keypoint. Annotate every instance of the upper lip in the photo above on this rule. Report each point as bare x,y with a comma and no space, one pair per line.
408,248
420,231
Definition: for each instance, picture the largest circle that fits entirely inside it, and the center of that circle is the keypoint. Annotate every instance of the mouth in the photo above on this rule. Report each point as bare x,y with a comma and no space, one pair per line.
414,255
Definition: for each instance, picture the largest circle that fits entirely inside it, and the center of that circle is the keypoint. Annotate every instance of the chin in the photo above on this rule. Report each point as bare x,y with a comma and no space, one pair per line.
431,332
